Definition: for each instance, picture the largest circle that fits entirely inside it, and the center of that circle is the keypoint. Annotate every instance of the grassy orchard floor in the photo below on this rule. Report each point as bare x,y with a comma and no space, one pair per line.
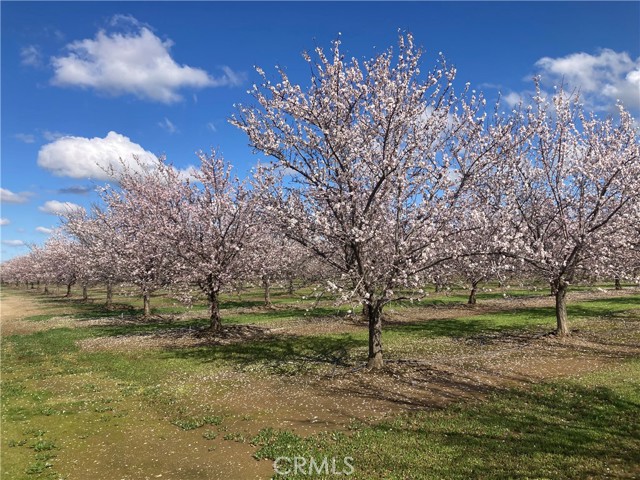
467,392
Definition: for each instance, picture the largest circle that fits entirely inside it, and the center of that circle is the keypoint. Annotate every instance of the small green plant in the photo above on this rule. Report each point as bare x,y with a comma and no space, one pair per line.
90,387
16,443
43,445
189,423
235,437
210,435
44,456
213,420
275,443
37,467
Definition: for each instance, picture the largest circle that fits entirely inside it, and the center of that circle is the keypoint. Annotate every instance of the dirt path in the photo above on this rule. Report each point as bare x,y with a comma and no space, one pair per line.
18,306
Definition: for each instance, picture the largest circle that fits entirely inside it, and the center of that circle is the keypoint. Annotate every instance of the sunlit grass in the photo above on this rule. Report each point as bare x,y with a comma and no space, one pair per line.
562,429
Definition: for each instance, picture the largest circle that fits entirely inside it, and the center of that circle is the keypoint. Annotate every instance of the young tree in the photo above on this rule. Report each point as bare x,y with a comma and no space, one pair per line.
211,228
64,262
571,192
132,226
372,168
102,253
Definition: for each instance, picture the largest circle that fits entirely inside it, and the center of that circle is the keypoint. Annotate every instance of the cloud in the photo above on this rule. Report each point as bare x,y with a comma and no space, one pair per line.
50,136
14,243
512,99
4,221
54,207
136,62
25,137
602,79
7,196
75,190
44,230
188,173
31,56
80,157
212,127
167,125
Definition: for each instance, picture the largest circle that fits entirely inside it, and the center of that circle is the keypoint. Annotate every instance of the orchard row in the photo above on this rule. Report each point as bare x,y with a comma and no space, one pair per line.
382,179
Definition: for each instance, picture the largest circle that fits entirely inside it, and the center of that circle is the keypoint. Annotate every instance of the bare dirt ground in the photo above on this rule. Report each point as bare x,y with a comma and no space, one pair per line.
17,307
450,370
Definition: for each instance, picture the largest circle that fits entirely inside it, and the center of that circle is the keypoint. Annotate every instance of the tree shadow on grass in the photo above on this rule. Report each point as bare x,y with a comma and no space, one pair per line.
552,421
461,327
275,351
514,319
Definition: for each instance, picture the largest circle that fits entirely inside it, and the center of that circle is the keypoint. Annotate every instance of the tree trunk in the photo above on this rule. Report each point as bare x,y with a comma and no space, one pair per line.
561,309
617,283
438,287
267,291
290,288
85,293
374,316
109,295
472,295
554,289
147,305
214,312
68,290
46,288
32,286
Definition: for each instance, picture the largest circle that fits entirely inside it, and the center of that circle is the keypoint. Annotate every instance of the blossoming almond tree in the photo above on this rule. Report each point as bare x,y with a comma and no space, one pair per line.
132,224
371,169
572,191
96,234
212,228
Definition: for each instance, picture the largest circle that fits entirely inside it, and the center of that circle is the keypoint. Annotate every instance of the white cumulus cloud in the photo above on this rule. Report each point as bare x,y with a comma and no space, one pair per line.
44,230
80,157
7,196
136,62
55,207
4,221
602,79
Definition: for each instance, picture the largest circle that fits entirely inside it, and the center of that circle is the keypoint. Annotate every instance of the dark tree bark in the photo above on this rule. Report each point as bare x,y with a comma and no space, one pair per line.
562,328
109,295
215,324
472,294
290,288
46,289
147,305
85,293
617,283
68,290
266,284
374,317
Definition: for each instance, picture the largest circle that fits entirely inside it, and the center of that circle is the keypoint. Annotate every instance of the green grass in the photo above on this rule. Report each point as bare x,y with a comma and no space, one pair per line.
585,428
51,389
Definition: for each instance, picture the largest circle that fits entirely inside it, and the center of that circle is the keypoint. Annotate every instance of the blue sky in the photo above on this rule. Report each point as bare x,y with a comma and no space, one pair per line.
81,82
